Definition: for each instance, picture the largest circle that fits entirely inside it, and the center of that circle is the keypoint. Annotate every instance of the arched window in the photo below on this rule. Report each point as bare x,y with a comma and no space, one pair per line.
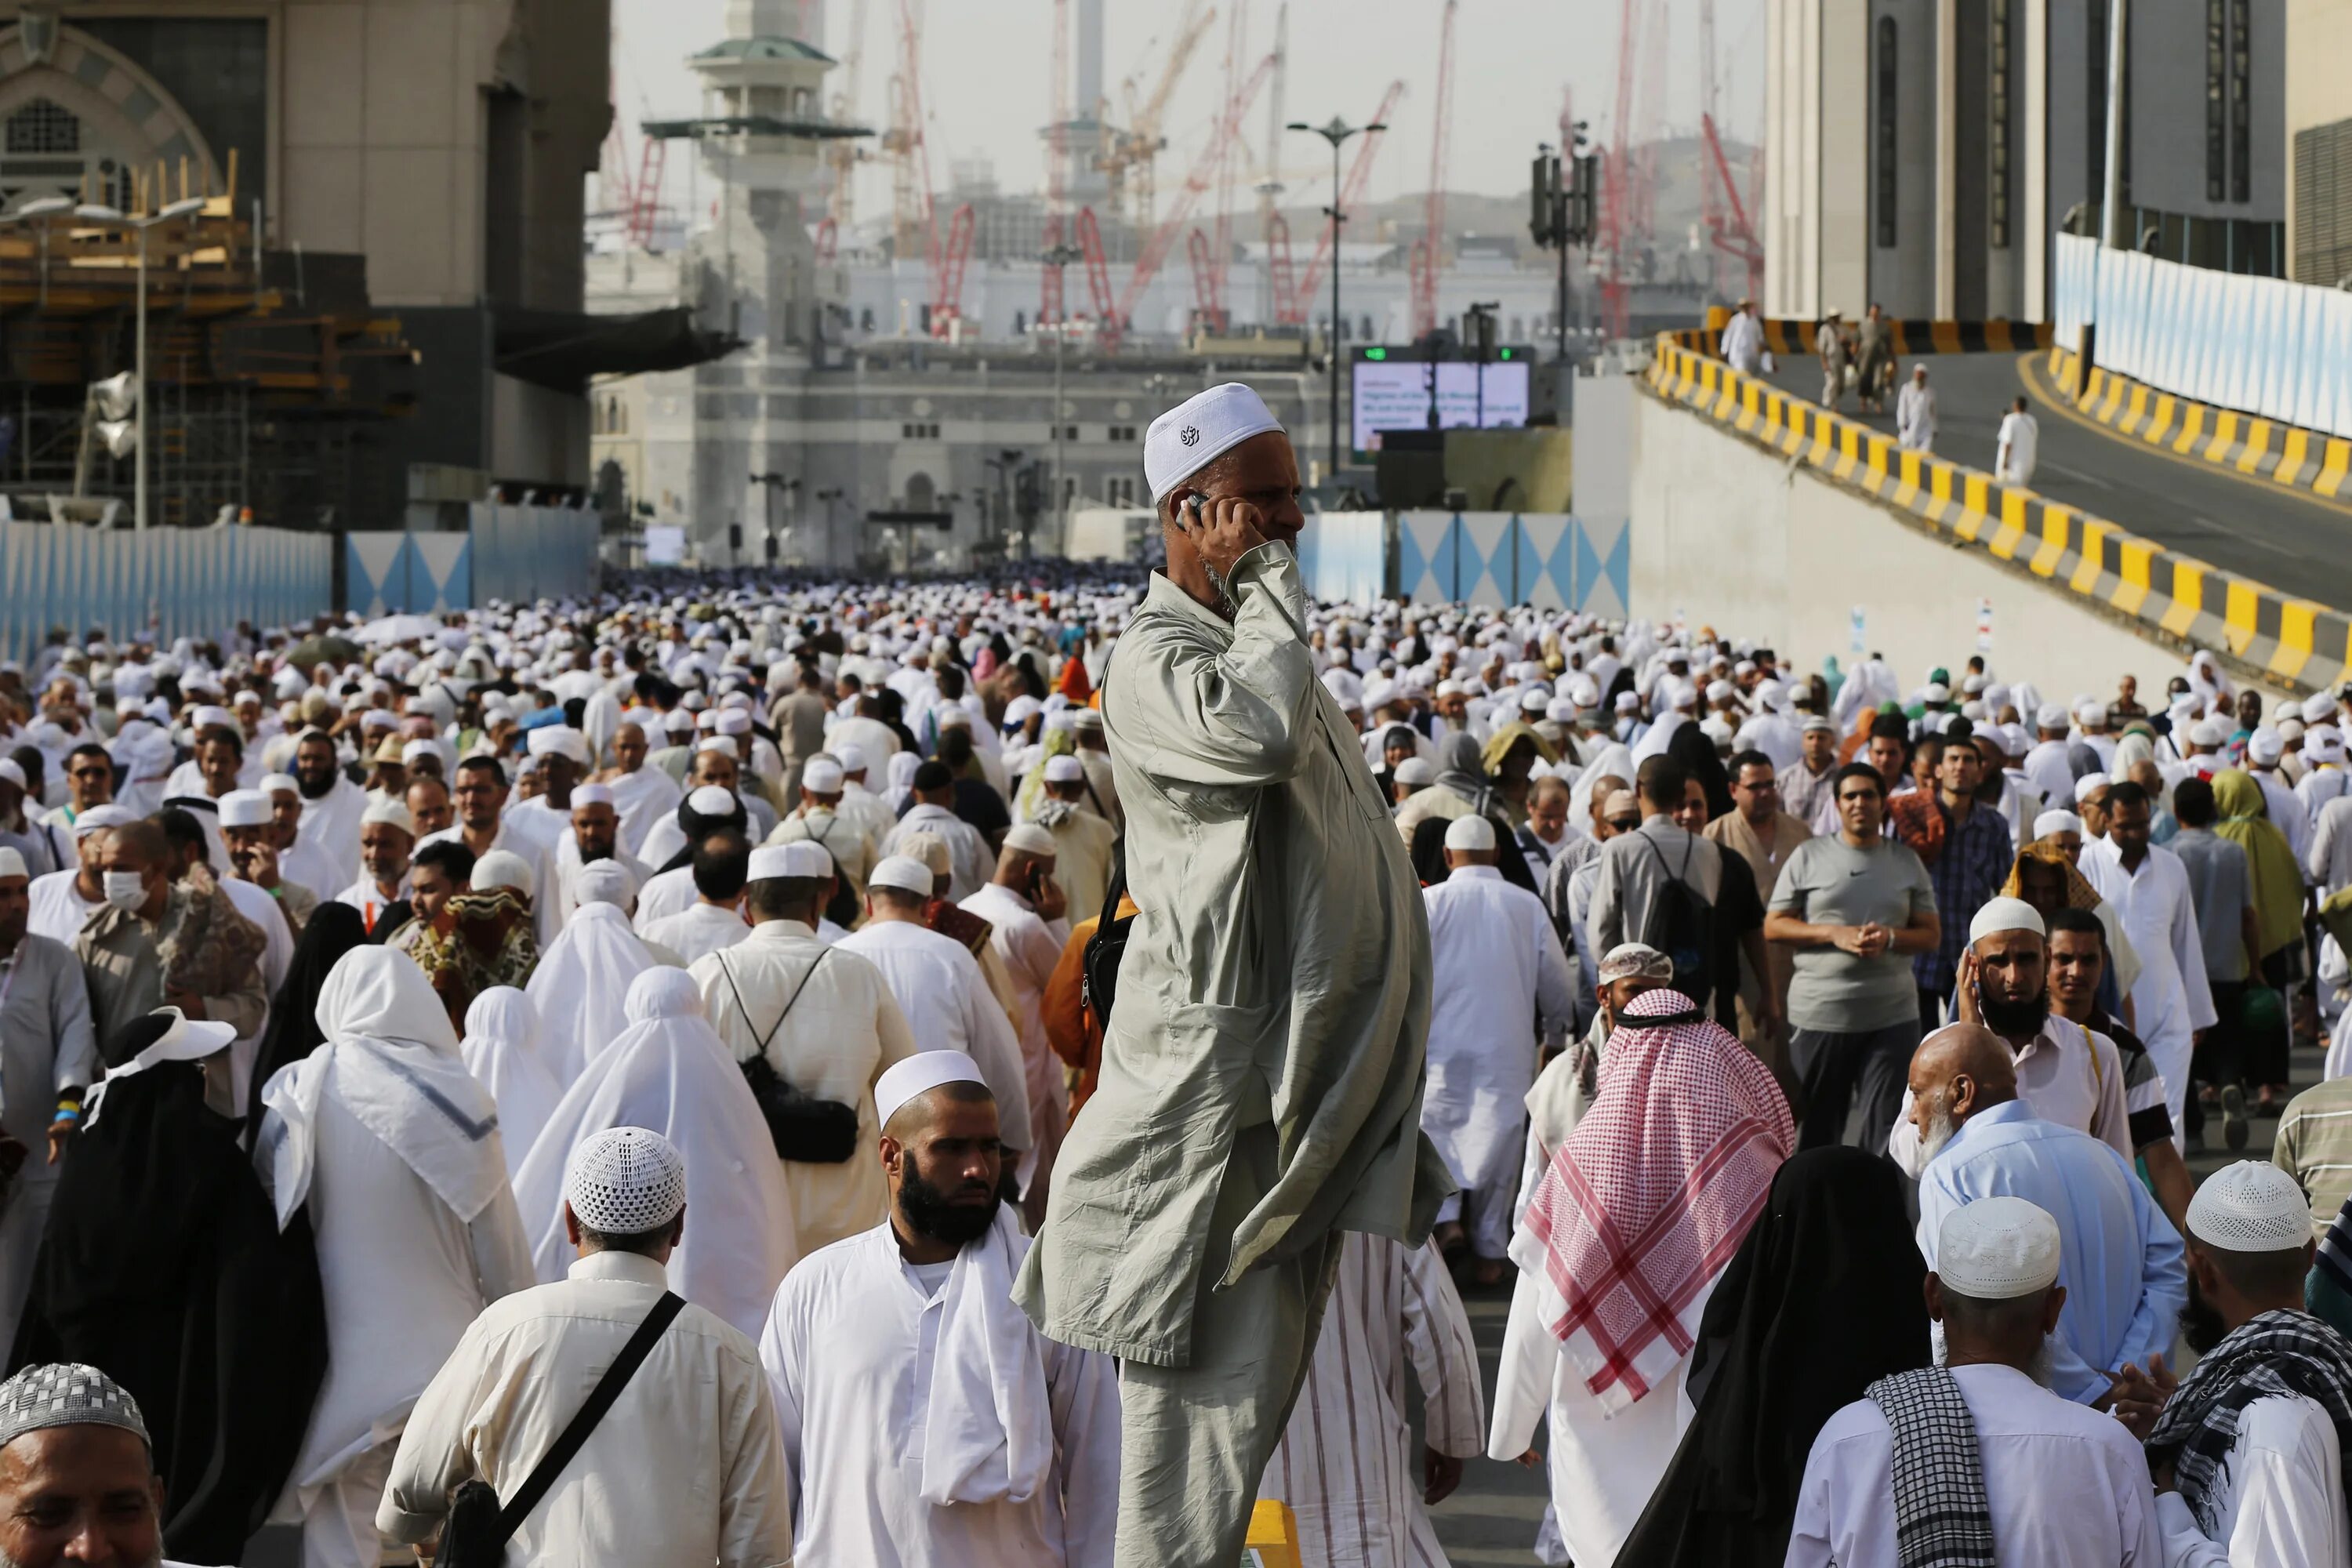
43,127
921,493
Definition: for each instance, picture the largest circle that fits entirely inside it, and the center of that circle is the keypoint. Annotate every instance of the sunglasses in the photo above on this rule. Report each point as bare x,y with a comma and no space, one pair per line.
1624,824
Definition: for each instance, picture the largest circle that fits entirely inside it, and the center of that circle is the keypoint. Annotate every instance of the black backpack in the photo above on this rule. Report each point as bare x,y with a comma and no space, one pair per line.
1098,971
1681,924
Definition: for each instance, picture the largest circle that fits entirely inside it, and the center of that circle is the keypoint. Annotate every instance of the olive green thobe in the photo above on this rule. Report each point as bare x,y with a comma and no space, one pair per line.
1263,1068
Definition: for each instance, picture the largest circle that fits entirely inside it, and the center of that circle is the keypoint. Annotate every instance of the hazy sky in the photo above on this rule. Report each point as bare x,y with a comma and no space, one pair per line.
986,64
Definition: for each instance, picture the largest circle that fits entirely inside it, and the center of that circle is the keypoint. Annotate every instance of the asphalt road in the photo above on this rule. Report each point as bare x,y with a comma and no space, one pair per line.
2250,526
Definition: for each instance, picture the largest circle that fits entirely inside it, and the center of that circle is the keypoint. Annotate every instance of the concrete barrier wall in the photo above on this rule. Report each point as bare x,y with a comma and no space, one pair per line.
1729,534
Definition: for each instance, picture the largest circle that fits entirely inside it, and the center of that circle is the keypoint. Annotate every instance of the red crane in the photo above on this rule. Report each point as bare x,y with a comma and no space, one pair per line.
1237,40
644,194
947,296
1277,262
1196,185
1359,172
1429,250
1733,236
914,216
1207,309
1097,267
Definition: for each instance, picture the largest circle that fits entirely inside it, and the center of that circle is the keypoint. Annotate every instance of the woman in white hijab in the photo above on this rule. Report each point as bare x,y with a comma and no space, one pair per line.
501,1050
902,779
670,1072
581,984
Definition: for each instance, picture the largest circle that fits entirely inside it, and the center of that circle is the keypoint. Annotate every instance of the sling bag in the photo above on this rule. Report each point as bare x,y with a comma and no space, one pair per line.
804,1128
478,1527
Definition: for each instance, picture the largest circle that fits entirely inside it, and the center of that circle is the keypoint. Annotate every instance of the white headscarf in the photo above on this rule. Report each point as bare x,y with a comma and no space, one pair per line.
501,1049
1614,760
581,986
393,1060
987,1434
670,1072
902,779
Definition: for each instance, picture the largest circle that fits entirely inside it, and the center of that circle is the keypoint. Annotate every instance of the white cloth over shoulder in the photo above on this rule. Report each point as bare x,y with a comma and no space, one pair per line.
581,986
986,1436
501,1050
669,1072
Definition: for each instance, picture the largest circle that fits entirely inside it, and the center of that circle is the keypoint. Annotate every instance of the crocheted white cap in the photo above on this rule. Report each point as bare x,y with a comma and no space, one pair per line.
2251,1206
626,1181
1996,1249
65,1394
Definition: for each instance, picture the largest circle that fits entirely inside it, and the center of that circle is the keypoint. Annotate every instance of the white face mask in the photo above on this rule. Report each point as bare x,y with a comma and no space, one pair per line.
126,891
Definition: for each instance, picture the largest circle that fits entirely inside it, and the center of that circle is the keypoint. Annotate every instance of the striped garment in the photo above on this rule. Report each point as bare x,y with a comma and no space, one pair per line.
2314,1146
1348,1465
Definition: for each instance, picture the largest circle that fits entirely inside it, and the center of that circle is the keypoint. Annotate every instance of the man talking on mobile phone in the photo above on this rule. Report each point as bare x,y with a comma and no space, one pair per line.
1262,1061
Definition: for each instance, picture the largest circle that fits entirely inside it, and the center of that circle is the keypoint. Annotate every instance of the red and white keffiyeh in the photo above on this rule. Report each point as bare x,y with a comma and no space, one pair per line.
1651,1195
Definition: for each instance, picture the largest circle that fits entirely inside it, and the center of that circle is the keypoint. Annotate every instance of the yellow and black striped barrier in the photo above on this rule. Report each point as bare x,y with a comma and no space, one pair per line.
2299,459
2178,599
1787,335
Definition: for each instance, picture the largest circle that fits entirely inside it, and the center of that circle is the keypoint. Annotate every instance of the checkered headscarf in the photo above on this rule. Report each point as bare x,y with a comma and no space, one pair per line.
1941,1517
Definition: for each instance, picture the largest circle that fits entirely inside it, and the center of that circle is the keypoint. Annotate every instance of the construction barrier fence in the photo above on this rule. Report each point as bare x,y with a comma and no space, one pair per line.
159,585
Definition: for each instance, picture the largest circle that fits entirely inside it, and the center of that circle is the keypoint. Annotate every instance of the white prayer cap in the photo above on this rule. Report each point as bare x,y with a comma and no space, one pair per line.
711,800
280,784
417,751
2317,707
2290,730
802,858
1721,691
2093,715
918,1075
1998,915
2050,822
592,794
1065,769
1086,719
1937,692
719,744
11,773
2250,1207
389,813
2050,716
1629,702
245,808
12,865
822,775
1414,771
734,721
99,816
2090,784
1813,722
502,868
1629,960
2264,746
1998,1248
2207,732
903,872
851,756
1535,702
1200,429
954,719
1031,839
1471,835
626,1181
558,741
211,715
604,882
2324,744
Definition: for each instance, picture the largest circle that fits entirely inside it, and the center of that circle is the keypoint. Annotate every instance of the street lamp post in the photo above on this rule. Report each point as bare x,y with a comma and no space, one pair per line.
1057,257
93,213
1337,132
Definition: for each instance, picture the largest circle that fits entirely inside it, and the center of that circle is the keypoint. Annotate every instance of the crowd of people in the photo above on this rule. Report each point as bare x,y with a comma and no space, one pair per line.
744,1070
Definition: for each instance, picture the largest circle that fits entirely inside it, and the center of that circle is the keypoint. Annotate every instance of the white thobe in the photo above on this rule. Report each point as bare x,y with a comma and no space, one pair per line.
1031,947
950,1007
844,1030
2016,448
643,798
1915,417
2066,1486
686,1470
849,1351
310,868
865,811
330,824
664,894
256,905
971,862
877,740
2281,1499
1602,1466
2065,1074
2318,787
2171,999
1496,969
702,927
2287,812
59,911
1348,1465
535,820
568,865
2049,771
1743,346
367,897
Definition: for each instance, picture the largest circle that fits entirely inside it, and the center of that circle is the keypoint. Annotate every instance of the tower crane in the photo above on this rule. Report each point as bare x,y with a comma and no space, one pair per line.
1428,253
1196,185
1134,151
1351,189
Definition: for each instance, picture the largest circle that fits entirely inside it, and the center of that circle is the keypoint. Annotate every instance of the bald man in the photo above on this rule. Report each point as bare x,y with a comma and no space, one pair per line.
2122,1264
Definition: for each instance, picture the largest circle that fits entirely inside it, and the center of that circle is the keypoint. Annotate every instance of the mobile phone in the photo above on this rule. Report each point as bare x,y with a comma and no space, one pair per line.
1192,506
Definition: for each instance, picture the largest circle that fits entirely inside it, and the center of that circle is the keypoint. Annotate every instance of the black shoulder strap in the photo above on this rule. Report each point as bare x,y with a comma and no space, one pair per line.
806,975
599,1400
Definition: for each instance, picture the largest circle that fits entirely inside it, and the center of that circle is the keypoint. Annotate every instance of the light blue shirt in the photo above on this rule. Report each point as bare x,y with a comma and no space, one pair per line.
2120,1259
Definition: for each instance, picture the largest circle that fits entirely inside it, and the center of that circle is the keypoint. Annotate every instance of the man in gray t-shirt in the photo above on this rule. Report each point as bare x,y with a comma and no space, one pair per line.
1854,906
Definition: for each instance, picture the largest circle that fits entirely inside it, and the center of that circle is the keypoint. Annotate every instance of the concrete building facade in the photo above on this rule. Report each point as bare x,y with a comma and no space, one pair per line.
2319,141
1922,152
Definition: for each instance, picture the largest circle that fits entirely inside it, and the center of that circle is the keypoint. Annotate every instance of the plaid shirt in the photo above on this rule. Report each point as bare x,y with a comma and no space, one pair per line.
1976,861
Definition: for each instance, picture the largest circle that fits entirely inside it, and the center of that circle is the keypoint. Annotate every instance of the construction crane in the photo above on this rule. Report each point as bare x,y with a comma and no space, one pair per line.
913,222
1133,152
843,154
1359,172
947,297
1049,276
646,193
1278,266
1429,252
1208,309
1613,206
1091,246
1235,149
1732,233
1196,185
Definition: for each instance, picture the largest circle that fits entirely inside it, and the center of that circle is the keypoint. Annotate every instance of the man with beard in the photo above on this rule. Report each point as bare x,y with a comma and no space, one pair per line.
2002,1468
2120,1258
76,1473
332,807
2247,1450
2065,1073
1018,1461
595,834
299,860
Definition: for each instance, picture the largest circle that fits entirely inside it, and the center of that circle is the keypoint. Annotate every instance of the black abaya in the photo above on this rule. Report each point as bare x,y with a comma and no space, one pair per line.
334,931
